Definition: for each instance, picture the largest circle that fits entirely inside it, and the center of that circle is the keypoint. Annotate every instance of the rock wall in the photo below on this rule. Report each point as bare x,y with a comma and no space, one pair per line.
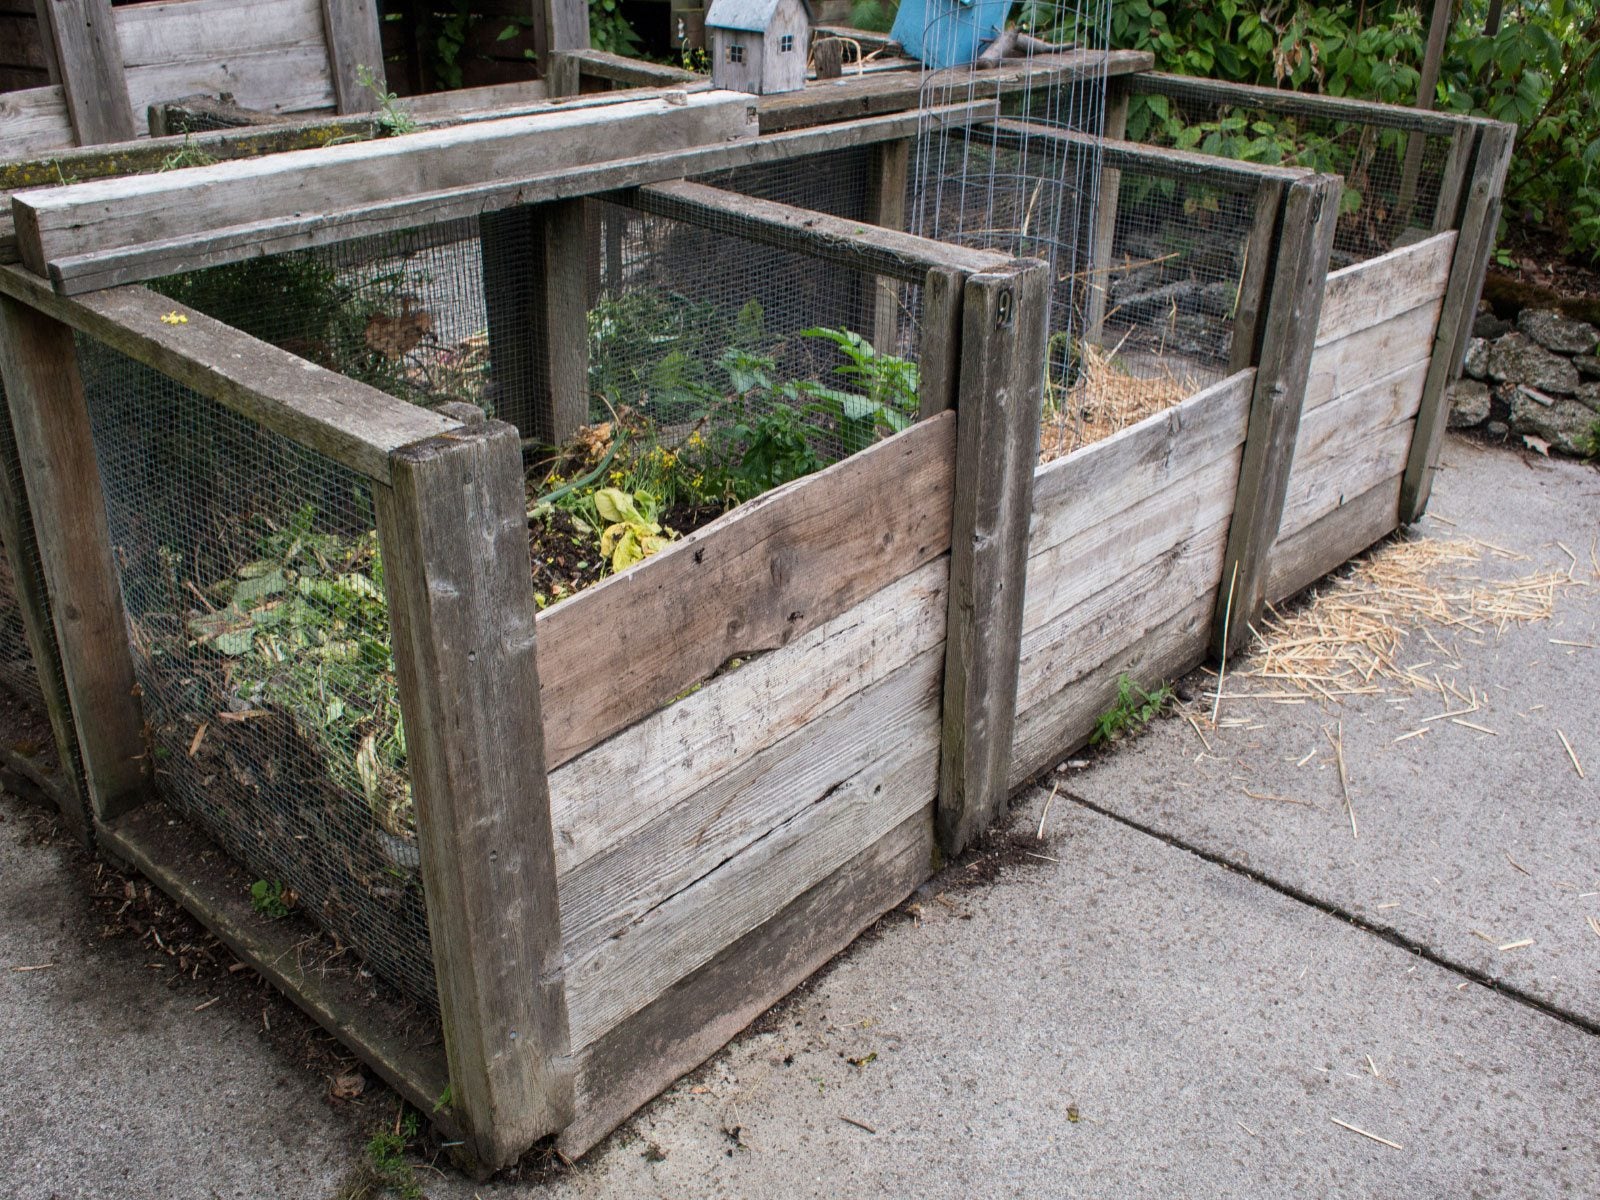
1538,379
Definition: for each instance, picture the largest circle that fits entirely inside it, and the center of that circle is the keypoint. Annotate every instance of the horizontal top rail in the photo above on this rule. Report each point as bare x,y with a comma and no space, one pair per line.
355,425
851,244
190,250
1155,160
1300,104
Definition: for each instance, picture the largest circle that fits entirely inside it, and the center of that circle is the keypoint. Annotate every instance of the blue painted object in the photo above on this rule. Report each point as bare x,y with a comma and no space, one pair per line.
949,33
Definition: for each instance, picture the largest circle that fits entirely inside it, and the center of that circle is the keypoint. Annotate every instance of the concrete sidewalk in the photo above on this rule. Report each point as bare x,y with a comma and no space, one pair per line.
1116,1016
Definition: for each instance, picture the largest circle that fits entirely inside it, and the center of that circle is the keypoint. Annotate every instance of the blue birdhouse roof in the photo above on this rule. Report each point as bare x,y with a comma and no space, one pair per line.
752,16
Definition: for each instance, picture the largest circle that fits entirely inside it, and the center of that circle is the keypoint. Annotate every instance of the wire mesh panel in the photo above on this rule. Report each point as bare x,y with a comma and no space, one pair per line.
254,590
18,672
1392,178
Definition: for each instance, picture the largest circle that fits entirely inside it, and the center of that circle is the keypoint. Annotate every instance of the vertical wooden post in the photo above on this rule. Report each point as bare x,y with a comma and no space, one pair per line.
1004,316
1427,83
89,58
1447,211
455,549
888,176
1480,224
567,28
354,41
50,417
535,279
27,580
939,343
1105,214
1310,213
1251,302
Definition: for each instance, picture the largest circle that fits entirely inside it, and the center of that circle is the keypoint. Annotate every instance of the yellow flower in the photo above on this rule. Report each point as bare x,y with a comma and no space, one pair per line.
174,318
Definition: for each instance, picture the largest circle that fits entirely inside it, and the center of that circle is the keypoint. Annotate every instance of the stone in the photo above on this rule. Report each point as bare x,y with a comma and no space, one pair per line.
1588,365
1517,359
1566,424
1497,429
1556,332
1589,393
1469,403
1476,364
1489,326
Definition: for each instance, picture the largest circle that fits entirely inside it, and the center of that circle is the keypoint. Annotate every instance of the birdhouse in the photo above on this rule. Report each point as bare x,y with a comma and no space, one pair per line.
759,46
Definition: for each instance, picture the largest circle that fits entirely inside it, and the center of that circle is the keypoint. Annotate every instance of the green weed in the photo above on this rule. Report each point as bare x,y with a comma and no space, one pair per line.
270,898
1133,709
393,121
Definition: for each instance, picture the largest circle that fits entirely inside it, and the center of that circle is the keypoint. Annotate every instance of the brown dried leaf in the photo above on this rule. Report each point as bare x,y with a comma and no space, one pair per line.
395,337
347,1086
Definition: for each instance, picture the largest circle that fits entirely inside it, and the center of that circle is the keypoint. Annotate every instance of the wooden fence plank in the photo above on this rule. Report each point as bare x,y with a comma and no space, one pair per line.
1103,232
350,422
1297,104
1330,481
1479,227
1453,177
1163,161
351,29
90,60
688,1022
1310,212
610,978
888,176
1359,359
602,799
1371,292
50,417
763,575
110,213
1005,314
1353,416
939,346
1254,281
1305,557
33,121
454,537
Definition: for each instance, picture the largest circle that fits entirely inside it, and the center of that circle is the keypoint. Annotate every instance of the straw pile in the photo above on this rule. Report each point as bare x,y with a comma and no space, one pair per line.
1104,399
1347,641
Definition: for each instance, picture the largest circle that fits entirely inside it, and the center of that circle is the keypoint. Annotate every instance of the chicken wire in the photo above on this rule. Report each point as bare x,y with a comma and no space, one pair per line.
1392,178
257,616
18,673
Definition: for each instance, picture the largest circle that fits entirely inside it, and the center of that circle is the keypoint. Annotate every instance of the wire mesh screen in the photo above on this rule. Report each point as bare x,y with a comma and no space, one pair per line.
1392,179
18,672
255,596
1019,172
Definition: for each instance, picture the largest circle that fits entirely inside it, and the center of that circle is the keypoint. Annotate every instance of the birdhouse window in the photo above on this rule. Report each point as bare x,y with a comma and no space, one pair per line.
786,43
735,53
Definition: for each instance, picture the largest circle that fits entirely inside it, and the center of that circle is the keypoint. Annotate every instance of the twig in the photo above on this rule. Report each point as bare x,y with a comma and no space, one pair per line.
1576,765
1470,725
856,1123
1245,1127
1045,816
1365,1134
1222,665
207,1004
1517,945
1344,778
35,967
1045,857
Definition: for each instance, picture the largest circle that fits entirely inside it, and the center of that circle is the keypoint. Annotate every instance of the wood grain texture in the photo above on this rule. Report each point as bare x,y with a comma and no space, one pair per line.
830,816
1453,178
604,798
350,28
1005,315
1349,419
1095,554
1051,730
110,213
50,418
939,350
89,58
1371,292
688,1022
1480,226
1359,359
849,244
350,422
1328,482
755,580
454,535
33,121
1305,242
1094,483
1305,557
168,852
567,23
1267,208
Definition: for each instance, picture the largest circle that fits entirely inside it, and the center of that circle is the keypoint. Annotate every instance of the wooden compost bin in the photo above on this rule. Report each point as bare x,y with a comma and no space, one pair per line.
626,852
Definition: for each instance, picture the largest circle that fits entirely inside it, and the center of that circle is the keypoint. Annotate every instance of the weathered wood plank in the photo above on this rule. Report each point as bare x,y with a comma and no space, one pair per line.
1093,555
849,244
620,70
1005,314
1057,654
566,25
50,418
621,974
169,853
1162,161
755,580
1299,104
454,536
33,121
1480,225
89,56
1328,482
1094,483
939,341
1251,302
1358,359
109,213
1302,559
603,799
1305,242
688,1022
351,30
1340,425
188,251
1051,730
1104,227
350,422
1374,291
888,176
1453,177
